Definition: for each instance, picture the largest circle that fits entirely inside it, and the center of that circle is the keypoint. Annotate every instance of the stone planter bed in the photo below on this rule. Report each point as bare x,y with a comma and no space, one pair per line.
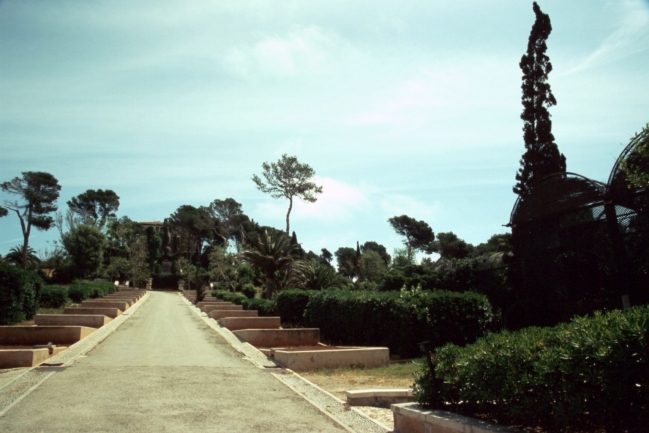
319,357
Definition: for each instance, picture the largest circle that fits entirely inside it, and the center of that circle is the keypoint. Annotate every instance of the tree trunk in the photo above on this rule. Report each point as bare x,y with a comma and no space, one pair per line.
290,206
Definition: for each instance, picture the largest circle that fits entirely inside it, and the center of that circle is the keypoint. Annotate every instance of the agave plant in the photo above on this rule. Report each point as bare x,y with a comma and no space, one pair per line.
276,257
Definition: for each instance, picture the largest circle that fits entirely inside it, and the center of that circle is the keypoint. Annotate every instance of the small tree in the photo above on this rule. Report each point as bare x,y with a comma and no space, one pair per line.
227,215
419,236
449,246
541,156
85,245
39,192
288,178
636,166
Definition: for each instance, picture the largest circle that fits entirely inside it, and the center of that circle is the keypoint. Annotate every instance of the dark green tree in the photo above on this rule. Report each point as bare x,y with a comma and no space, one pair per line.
449,246
95,207
419,236
288,178
326,255
38,191
347,262
377,248
228,216
85,245
154,247
194,226
541,156
636,166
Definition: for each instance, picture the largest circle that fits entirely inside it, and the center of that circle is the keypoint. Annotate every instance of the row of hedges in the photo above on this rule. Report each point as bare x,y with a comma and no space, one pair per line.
20,292
54,297
264,307
589,374
399,320
80,291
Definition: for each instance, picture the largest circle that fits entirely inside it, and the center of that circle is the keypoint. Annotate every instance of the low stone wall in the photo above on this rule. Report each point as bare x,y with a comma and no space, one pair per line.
280,337
90,321
14,358
219,314
222,307
236,323
412,418
378,397
306,360
31,335
122,305
109,312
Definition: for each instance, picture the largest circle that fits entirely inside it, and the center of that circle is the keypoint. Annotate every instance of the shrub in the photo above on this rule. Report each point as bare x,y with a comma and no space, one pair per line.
54,297
249,290
290,305
409,276
19,294
399,320
589,374
81,290
264,307
235,298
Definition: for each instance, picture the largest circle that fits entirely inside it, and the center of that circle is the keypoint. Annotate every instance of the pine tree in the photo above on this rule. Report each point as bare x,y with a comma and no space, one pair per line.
541,156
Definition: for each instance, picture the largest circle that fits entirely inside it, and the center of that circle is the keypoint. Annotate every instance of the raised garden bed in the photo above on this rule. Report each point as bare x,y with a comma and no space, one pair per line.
319,357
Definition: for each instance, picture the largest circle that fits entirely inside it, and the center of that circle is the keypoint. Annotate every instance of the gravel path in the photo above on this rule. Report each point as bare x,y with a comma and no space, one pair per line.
163,370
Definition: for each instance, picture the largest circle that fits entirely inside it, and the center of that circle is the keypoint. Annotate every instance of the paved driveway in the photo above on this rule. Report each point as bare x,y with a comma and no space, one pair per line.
164,370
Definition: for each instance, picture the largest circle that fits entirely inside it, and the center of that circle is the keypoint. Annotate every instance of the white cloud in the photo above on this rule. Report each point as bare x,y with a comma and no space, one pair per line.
306,51
338,201
631,37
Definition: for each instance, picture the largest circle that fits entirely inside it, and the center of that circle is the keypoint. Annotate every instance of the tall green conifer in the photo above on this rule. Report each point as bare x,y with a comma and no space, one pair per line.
542,156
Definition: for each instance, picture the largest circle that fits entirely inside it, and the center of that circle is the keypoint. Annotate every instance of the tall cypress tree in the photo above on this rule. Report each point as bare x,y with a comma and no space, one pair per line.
541,155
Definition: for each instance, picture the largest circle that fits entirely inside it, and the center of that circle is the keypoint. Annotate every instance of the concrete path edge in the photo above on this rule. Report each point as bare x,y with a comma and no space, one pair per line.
20,386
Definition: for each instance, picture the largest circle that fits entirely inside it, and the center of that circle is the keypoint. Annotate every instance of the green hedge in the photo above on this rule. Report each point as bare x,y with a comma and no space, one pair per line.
20,292
399,320
81,290
589,374
263,306
291,304
54,297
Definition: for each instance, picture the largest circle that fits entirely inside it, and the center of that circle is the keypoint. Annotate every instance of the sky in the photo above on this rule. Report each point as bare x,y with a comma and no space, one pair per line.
401,107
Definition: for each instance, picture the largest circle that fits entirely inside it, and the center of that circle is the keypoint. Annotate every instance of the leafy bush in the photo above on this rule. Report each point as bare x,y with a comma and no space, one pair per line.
409,276
20,292
54,297
290,305
588,374
399,320
81,290
235,298
264,307
249,290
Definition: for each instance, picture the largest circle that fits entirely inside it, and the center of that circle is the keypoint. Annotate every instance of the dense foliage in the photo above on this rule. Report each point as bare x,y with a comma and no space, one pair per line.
54,297
398,320
588,374
81,290
19,294
291,304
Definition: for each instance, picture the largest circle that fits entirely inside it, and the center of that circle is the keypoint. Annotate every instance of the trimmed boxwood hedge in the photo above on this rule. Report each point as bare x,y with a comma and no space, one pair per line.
399,320
264,307
54,297
20,292
291,304
589,374
81,290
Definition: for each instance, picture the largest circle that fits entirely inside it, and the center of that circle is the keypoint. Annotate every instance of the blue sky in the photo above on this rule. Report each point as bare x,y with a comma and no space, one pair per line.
408,107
